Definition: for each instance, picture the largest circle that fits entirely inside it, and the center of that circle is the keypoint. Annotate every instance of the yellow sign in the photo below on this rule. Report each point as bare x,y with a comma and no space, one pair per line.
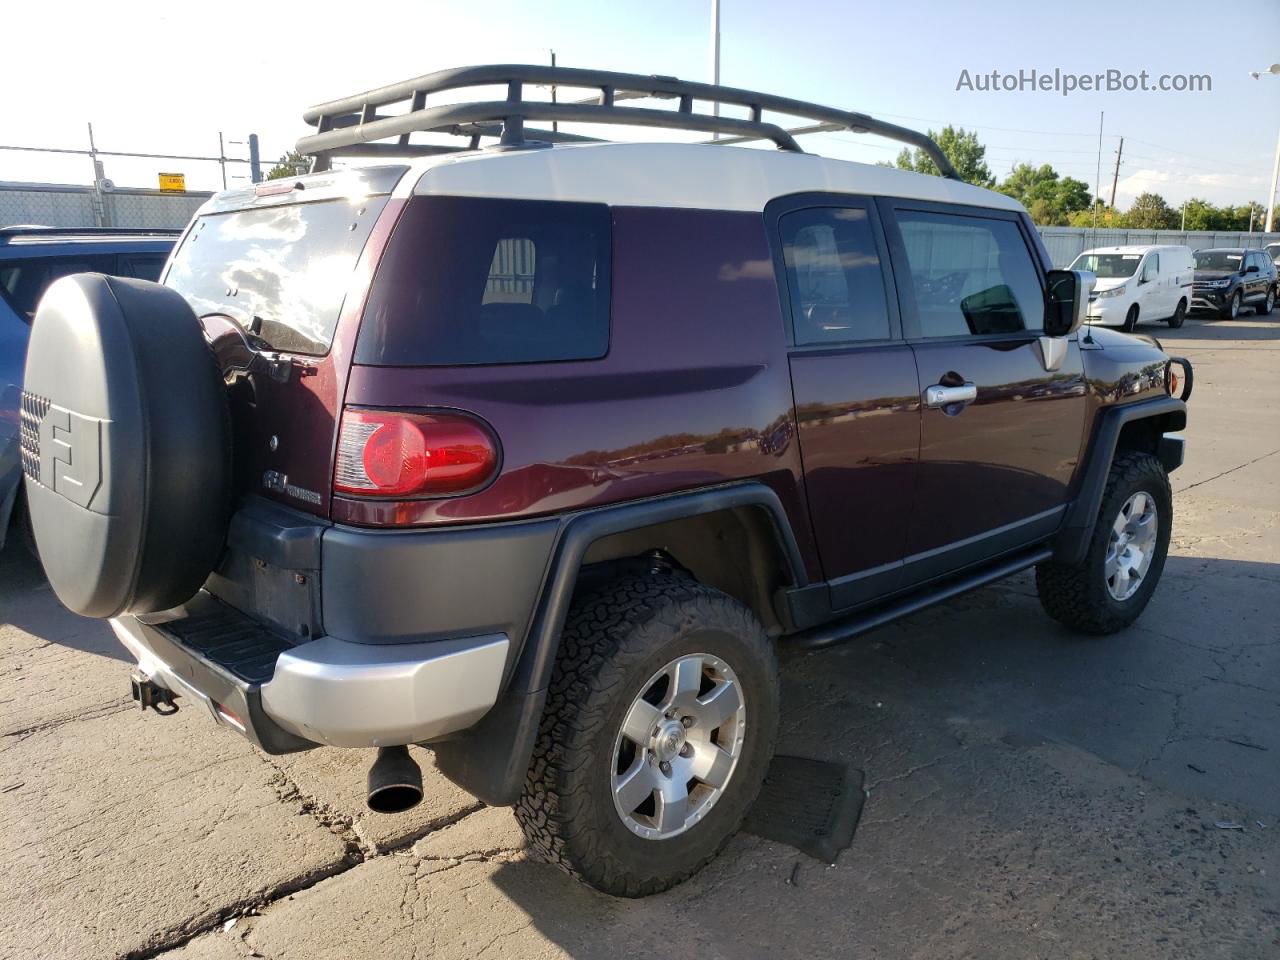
173,182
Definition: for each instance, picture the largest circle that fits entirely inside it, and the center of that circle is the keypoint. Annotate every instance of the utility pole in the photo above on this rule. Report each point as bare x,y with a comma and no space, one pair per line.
1115,177
1097,176
1271,197
555,124
1271,71
715,57
99,175
255,161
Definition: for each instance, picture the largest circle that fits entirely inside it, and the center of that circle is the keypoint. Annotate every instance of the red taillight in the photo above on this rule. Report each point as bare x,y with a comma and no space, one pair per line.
388,453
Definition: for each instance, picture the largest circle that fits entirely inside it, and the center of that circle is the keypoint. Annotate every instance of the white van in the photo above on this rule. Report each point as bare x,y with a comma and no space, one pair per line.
1138,283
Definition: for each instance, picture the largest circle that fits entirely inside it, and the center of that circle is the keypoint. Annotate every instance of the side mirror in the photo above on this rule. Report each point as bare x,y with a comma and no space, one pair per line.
1066,300
1251,268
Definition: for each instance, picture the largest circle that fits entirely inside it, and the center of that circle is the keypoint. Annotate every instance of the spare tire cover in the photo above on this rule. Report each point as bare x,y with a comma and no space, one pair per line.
125,446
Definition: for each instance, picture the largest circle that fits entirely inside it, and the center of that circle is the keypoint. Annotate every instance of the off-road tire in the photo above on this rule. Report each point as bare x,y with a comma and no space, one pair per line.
1076,595
1268,302
1231,309
1179,315
1130,319
613,641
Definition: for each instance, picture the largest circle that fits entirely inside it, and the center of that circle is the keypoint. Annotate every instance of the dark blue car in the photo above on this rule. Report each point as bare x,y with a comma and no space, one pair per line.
31,258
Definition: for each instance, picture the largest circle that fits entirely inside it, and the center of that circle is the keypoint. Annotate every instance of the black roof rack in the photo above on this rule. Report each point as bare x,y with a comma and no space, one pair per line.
36,232
352,126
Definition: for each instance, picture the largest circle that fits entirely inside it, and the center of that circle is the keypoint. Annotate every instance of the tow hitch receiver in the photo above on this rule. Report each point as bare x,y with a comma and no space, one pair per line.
151,694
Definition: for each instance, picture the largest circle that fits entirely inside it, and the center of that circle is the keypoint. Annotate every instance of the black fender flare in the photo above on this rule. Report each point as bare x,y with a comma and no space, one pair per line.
490,759
1072,540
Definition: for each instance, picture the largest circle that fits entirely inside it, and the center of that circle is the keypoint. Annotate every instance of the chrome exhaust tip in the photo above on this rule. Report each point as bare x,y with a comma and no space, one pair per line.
395,781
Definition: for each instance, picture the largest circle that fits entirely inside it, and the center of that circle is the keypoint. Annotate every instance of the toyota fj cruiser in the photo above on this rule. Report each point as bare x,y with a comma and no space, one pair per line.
535,453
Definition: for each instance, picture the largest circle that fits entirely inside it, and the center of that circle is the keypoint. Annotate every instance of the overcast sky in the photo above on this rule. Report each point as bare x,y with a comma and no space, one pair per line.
168,77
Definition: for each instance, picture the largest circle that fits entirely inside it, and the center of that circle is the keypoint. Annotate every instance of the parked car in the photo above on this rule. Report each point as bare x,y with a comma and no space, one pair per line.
1138,283
31,258
536,454
1228,278
1273,251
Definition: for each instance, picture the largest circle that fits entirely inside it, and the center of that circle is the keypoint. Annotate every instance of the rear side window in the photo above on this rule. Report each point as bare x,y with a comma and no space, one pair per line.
23,282
833,274
280,271
470,280
970,275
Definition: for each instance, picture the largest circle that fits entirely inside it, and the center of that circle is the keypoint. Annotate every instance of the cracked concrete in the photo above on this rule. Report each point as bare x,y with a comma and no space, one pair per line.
1031,793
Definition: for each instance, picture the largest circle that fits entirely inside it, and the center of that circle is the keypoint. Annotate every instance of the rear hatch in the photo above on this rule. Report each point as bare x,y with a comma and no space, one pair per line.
280,266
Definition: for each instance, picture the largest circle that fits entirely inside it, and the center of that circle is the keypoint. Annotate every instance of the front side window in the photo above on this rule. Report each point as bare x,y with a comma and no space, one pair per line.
834,276
468,280
1151,269
970,275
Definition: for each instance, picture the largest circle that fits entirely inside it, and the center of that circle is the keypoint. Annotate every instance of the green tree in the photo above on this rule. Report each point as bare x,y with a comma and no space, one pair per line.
1202,215
961,147
1150,212
1050,199
290,165
1107,218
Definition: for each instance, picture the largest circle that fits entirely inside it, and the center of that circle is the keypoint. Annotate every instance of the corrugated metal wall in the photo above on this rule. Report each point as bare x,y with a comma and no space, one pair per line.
71,205
1066,243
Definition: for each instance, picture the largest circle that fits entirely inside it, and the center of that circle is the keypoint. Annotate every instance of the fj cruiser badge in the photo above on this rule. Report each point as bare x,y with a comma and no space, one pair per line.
278,482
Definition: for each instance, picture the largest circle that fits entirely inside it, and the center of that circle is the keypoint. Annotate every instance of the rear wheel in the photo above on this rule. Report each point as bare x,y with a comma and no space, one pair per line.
1179,315
659,727
1130,319
1113,584
1265,307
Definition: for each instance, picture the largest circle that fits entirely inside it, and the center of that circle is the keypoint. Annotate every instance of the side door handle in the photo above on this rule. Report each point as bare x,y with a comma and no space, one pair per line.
938,396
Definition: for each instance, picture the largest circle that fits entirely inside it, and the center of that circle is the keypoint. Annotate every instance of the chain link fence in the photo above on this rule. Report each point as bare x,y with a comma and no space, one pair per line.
70,205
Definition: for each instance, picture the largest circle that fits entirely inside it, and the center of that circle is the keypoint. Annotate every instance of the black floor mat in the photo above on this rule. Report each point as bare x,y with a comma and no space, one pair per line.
812,805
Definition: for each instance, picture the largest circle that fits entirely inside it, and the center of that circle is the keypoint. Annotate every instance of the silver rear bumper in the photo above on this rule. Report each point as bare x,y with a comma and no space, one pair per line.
330,691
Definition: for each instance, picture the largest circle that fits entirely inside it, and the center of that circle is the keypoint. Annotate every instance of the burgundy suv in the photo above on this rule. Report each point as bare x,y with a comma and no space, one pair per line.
535,453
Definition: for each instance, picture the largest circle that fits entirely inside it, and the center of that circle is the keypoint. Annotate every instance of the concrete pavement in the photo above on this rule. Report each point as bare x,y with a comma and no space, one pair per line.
1032,793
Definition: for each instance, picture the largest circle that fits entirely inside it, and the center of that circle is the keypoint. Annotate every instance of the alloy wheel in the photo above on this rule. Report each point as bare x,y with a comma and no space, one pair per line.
679,745
1132,545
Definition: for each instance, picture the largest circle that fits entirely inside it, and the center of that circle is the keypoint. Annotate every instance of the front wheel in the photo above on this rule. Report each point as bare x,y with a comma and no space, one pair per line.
1130,319
1179,315
1232,309
1113,584
659,726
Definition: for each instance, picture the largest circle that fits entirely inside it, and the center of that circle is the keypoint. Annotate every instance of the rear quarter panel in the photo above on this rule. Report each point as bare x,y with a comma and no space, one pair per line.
694,390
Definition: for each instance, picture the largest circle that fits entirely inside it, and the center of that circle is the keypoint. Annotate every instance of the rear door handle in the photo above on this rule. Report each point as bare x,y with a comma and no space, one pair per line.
939,396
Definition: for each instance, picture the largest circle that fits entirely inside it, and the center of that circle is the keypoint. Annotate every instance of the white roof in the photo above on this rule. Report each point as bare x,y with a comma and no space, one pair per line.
1138,248
705,176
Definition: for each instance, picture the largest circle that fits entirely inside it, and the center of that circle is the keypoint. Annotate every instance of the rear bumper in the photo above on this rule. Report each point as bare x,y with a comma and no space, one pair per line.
324,691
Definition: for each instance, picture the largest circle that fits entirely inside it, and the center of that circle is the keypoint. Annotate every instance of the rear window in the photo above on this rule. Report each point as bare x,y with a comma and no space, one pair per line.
279,271
482,281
